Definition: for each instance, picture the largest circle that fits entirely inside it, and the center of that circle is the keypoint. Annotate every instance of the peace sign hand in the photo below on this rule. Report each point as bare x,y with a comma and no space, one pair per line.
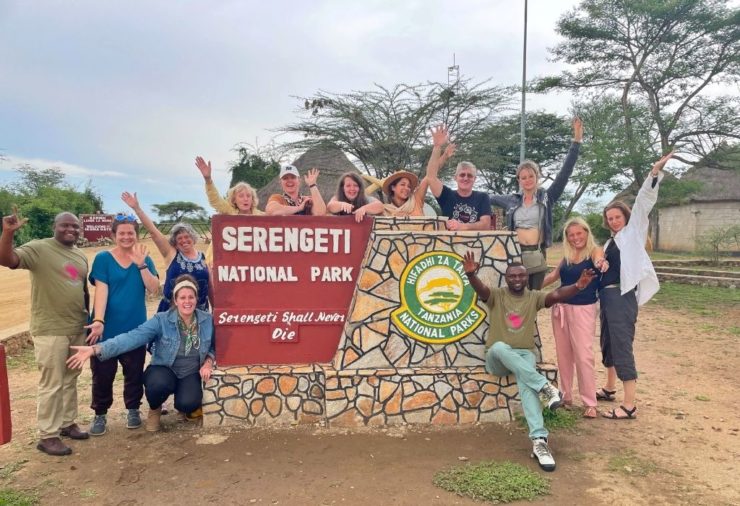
13,222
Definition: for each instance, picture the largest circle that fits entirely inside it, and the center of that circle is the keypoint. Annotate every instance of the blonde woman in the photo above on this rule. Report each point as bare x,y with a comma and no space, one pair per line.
529,212
240,199
574,319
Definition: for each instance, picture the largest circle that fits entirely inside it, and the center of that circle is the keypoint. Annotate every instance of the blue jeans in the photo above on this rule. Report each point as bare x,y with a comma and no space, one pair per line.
502,360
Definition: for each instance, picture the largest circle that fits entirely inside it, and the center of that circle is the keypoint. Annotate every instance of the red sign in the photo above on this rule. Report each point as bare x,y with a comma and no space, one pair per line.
6,427
96,226
283,285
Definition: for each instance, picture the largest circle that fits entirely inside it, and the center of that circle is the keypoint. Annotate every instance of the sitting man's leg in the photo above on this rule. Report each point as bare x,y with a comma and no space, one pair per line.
522,364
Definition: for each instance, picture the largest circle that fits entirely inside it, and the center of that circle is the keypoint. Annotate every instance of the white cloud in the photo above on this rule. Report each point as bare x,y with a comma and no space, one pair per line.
11,162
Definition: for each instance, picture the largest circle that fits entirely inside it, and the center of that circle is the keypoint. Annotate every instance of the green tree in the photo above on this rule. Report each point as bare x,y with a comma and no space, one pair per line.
252,168
495,149
665,55
40,195
386,129
178,210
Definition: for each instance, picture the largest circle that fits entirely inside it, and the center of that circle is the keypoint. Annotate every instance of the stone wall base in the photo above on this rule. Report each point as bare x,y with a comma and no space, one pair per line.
291,395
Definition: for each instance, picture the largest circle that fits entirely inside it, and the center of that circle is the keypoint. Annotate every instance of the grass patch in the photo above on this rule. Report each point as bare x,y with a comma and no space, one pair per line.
702,398
88,493
629,463
496,482
702,300
561,419
8,469
25,360
17,498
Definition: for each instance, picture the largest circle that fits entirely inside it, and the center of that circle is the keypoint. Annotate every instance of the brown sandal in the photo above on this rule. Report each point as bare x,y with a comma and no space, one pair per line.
590,412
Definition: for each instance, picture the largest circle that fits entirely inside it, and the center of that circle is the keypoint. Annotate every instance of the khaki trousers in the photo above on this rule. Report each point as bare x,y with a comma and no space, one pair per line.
57,393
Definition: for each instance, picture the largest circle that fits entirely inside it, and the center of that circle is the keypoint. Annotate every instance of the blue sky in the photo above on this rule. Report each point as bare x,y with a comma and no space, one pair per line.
126,94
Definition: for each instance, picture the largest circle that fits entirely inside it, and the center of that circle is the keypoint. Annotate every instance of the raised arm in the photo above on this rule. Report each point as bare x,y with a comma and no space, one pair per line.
566,292
139,256
647,197
420,193
470,266
318,207
162,243
8,256
556,188
440,137
220,204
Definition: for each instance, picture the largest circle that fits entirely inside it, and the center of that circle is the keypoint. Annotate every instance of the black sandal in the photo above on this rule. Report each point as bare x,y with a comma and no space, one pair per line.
612,415
602,394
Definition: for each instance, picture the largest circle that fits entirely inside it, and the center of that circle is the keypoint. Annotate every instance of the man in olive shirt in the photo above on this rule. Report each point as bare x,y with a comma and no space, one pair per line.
58,315
511,312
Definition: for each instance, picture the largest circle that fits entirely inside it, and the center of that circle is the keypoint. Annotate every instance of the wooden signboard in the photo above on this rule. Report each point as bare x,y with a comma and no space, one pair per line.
283,286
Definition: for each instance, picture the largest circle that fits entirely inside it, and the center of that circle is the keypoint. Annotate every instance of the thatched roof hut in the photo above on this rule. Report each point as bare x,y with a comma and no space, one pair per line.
331,163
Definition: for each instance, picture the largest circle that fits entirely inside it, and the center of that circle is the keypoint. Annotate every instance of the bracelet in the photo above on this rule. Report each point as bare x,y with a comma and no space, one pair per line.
100,320
142,267
312,185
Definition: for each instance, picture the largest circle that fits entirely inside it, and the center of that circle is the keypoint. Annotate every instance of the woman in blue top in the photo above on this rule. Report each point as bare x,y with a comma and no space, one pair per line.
121,277
574,320
179,254
529,212
183,357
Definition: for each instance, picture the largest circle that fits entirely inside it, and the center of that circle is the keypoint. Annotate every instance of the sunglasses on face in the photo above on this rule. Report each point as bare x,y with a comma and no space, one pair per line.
466,176
124,217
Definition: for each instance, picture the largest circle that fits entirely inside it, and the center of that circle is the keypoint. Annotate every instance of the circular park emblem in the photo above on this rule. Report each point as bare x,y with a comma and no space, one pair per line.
438,305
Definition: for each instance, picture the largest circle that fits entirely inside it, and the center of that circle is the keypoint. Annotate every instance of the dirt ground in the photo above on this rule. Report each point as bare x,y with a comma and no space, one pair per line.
683,449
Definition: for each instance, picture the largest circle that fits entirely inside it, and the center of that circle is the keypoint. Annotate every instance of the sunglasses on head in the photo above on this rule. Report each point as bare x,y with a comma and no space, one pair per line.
124,217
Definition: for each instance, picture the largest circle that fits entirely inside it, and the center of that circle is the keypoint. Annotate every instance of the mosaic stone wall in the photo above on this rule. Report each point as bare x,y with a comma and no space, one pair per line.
436,396
379,375
265,395
409,224
284,395
371,340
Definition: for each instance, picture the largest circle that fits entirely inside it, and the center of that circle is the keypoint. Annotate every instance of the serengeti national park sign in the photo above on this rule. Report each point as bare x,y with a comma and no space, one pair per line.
283,286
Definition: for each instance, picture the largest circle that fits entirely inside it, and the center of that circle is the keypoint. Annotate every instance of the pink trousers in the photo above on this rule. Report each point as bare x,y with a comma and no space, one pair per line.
574,328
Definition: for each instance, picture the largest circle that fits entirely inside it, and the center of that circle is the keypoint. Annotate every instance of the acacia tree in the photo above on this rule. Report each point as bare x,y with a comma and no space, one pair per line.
178,209
387,128
666,55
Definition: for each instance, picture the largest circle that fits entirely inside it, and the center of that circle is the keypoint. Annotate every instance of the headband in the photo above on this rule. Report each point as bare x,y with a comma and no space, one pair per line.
184,284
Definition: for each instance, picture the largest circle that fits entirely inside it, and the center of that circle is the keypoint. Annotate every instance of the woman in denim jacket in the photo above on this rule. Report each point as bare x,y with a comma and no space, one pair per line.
182,356
529,212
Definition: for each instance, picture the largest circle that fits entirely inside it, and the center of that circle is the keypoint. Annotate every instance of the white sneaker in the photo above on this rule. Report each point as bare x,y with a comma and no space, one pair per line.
551,396
541,452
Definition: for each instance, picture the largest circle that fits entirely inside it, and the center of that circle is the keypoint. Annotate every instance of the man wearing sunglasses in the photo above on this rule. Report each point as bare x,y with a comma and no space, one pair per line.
465,208
58,314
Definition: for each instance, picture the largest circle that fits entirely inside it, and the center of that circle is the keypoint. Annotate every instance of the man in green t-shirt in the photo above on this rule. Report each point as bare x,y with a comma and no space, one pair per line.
58,315
512,311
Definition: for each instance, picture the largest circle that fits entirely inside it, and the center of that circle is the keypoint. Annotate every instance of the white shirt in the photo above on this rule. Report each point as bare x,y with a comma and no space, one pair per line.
636,269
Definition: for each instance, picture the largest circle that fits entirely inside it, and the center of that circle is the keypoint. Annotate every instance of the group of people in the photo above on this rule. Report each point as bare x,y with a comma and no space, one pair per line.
180,336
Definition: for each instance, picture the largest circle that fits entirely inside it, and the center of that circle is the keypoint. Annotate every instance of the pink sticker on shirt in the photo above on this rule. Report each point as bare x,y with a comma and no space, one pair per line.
515,321
71,271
